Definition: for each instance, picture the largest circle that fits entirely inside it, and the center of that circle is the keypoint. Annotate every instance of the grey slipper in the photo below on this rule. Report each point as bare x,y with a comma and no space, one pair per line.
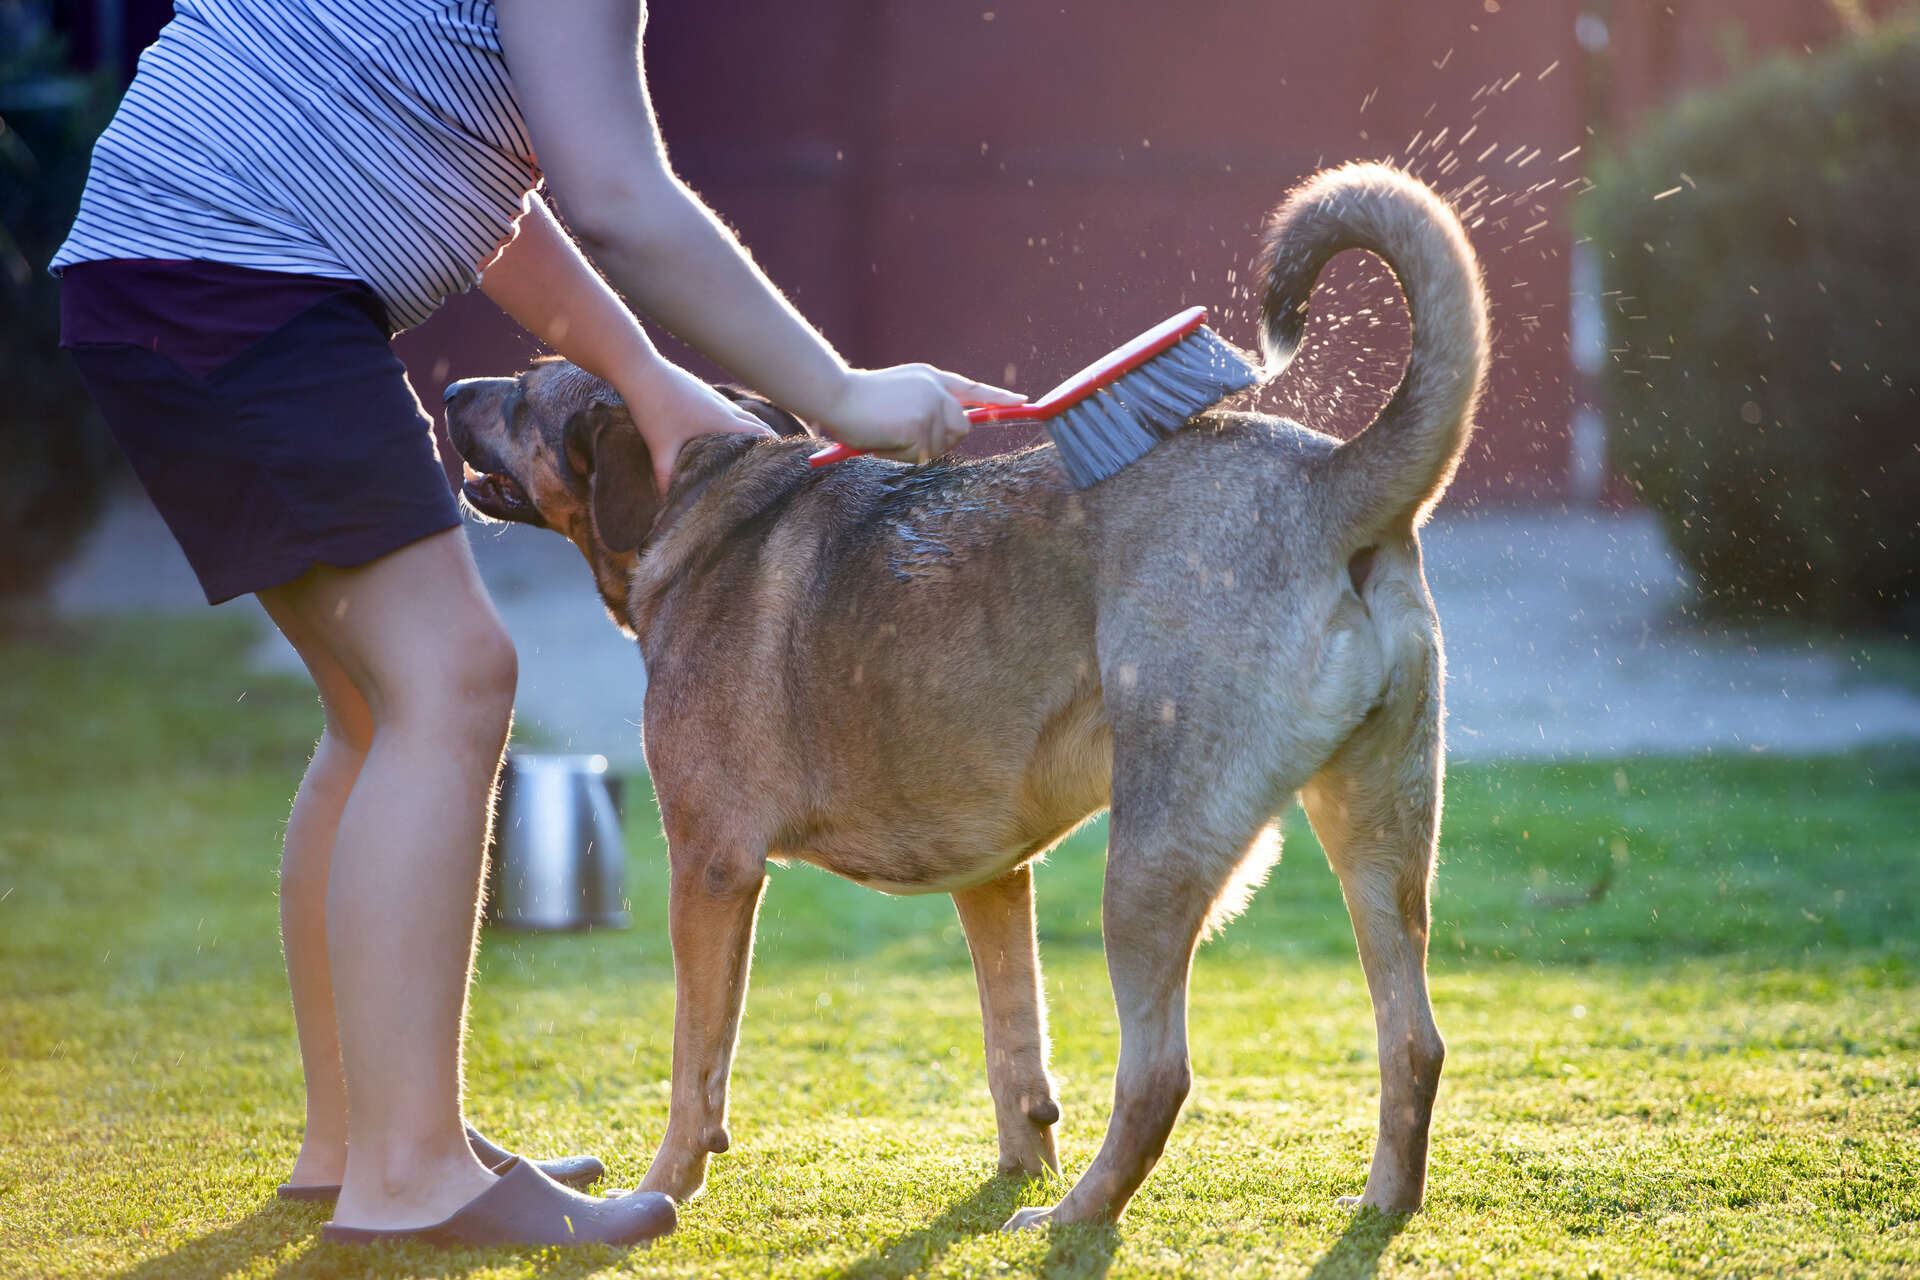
525,1207
579,1172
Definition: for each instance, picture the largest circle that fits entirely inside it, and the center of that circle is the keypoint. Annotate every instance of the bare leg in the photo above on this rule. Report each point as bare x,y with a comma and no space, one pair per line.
418,637
998,919
308,856
1376,809
712,905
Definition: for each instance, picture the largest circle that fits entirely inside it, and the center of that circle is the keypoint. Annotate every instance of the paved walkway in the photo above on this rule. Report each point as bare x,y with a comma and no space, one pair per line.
1562,640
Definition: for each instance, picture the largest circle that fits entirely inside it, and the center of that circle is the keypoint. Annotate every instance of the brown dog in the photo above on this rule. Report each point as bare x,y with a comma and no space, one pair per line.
921,678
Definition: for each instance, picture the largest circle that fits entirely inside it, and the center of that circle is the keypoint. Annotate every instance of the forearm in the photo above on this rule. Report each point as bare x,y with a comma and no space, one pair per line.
688,273
543,282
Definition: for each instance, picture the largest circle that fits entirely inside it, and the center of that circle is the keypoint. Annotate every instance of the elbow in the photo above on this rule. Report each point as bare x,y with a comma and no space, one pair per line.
625,220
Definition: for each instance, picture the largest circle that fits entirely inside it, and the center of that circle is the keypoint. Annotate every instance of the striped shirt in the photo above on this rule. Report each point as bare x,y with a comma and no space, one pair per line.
372,140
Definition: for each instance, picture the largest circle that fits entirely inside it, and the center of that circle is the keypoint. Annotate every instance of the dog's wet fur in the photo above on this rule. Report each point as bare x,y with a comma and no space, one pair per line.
921,678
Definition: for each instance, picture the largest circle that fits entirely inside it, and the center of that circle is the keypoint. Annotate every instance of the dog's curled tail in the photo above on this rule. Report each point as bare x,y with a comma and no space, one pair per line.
1400,465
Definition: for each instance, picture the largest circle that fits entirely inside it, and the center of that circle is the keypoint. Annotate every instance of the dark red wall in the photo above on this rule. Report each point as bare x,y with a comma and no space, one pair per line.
1010,188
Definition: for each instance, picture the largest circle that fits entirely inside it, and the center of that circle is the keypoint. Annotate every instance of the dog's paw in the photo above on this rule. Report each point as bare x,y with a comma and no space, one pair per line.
1029,1219
682,1194
1026,1135
1361,1203
683,1179
1023,1167
1027,1151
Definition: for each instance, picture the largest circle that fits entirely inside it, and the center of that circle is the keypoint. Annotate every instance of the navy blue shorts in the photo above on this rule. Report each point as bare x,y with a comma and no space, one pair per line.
308,447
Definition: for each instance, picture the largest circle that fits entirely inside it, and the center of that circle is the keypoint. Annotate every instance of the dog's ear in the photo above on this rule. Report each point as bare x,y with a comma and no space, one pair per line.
602,440
782,422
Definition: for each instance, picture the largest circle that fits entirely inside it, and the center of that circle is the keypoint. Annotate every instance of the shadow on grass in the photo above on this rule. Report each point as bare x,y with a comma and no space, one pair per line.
557,1262
1080,1252
1356,1254
1074,1253
268,1230
991,1204
276,1228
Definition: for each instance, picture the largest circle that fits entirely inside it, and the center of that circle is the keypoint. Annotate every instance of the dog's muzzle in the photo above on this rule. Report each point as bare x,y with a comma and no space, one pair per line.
487,488
499,497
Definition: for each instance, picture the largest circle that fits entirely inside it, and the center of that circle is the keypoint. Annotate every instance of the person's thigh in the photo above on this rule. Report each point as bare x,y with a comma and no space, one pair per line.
307,448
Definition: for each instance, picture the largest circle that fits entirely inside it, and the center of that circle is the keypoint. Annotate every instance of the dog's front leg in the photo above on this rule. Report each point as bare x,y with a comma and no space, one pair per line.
711,908
998,919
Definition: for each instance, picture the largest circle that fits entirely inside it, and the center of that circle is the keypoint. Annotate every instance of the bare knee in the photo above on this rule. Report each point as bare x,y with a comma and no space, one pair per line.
463,693
348,733
483,679
487,672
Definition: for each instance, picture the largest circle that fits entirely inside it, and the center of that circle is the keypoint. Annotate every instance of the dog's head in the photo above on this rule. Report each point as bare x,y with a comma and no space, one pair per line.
556,448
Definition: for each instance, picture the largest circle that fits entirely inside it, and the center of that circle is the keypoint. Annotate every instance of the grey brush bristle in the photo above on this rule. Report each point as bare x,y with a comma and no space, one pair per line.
1119,423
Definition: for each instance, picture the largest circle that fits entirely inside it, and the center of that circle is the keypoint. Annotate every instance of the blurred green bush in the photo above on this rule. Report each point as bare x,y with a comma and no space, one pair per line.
54,450
1761,246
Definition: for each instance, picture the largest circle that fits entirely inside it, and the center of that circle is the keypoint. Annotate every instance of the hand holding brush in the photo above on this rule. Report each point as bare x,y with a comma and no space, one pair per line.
1124,403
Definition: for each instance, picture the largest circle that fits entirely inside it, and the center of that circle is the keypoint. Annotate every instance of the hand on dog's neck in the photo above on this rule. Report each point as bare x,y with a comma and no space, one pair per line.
720,483
702,460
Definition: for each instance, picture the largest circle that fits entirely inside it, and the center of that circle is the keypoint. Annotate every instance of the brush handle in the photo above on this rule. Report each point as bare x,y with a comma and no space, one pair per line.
838,452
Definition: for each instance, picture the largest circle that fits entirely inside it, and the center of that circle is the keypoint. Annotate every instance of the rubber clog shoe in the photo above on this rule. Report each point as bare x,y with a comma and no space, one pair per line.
578,1172
526,1207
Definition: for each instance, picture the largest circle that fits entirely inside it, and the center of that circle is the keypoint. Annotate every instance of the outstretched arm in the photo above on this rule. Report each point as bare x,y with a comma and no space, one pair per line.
579,82
540,279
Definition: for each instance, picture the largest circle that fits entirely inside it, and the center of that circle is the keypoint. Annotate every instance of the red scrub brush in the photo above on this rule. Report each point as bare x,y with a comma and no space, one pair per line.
1127,401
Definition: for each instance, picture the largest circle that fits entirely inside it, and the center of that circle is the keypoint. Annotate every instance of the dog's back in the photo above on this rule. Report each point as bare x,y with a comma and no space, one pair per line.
954,642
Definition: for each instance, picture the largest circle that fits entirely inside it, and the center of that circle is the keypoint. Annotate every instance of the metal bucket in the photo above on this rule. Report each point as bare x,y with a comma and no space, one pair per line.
558,859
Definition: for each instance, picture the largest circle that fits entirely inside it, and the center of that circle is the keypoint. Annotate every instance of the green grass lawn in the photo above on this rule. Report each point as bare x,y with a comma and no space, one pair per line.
1713,1070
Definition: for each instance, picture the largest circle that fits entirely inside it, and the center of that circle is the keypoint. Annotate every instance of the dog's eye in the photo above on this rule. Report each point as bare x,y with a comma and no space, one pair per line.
516,408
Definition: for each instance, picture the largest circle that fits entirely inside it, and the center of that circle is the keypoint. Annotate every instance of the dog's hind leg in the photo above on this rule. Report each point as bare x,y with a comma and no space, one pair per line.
712,902
998,919
1161,886
1376,809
